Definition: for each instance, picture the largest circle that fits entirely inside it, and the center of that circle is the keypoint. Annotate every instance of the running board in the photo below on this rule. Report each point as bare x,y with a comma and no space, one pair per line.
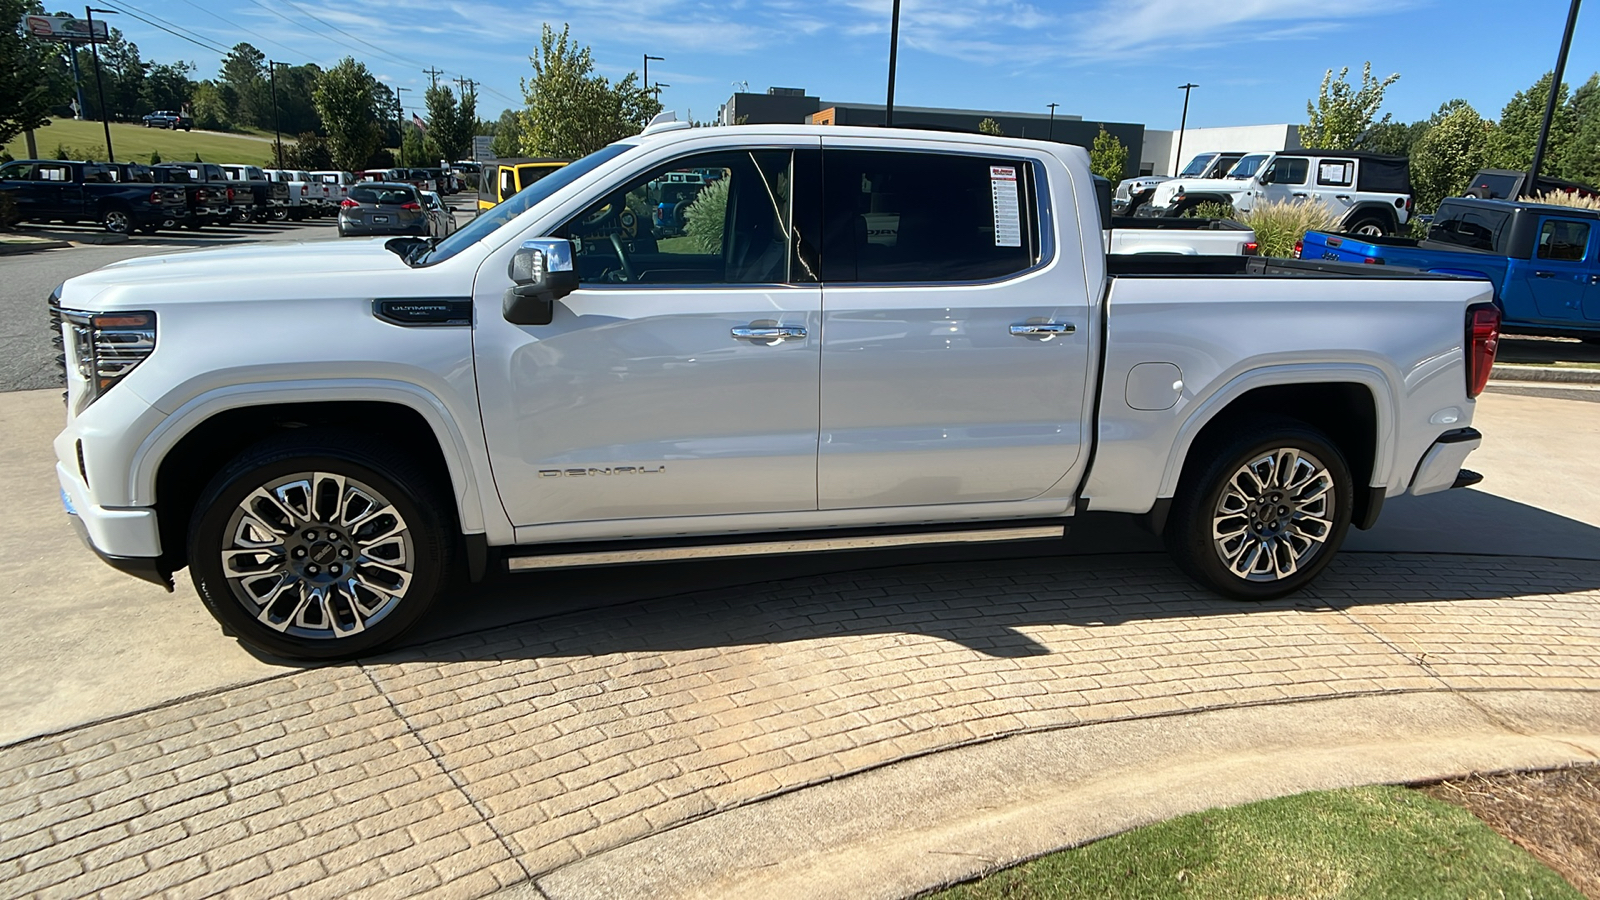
775,548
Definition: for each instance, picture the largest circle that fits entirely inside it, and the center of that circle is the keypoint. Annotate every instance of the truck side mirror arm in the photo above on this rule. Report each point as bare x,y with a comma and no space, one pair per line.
541,272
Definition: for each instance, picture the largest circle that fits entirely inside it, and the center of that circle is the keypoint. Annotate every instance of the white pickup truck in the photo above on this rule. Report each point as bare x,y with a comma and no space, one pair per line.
576,378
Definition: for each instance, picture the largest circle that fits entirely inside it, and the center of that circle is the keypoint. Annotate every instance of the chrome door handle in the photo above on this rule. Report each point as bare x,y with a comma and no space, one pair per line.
1544,274
1047,329
772,334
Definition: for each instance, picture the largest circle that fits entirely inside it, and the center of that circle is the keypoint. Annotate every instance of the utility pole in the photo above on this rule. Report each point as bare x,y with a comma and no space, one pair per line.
1182,125
99,82
433,75
647,58
465,85
277,125
1052,134
894,46
1531,186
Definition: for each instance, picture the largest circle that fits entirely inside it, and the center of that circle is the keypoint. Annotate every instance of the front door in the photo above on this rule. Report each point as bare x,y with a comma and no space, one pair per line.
681,378
1558,277
955,339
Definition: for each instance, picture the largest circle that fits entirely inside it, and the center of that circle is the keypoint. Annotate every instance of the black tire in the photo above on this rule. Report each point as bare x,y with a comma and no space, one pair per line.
117,220
380,473
1375,226
1189,528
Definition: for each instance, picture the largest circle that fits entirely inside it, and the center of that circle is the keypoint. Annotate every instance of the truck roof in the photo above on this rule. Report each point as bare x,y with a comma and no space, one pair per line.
1574,212
908,135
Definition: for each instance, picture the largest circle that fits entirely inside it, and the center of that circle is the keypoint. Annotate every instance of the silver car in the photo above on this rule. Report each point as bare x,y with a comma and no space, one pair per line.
441,218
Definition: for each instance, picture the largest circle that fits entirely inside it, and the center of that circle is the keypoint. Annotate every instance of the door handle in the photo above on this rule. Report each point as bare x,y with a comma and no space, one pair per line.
1344,197
1594,279
771,334
1544,274
1042,329
1301,195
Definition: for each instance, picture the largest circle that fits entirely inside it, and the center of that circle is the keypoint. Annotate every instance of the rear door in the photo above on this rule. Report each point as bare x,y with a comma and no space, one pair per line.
1558,275
1335,185
954,351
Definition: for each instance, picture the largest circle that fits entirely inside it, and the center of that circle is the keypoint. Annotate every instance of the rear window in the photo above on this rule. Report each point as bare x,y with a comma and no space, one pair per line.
1563,240
1336,172
1470,227
392,196
1494,187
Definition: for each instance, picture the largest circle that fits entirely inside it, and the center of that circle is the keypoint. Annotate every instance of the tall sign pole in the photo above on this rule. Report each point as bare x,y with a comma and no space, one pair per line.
894,46
1183,125
1051,134
100,83
647,58
277,126
1531,186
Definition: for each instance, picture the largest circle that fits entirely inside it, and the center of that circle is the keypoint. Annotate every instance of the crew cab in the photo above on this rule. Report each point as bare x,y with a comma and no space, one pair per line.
559,384
241,205
338,184
166,118
1543,261
1370,193
46,190
271,197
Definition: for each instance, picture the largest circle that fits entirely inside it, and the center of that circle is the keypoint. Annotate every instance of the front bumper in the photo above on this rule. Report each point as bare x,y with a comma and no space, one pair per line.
1441,465
127,539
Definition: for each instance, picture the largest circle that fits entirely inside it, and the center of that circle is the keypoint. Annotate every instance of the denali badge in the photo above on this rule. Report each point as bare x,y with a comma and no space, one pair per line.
613,470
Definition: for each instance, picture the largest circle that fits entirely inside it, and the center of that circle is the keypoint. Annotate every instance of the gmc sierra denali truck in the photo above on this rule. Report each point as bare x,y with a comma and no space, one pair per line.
848,338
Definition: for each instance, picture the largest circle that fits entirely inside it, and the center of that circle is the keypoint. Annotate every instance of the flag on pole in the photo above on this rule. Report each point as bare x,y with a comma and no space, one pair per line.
417,121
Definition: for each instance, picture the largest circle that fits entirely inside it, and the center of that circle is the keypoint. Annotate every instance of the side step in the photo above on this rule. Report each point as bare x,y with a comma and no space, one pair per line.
821,544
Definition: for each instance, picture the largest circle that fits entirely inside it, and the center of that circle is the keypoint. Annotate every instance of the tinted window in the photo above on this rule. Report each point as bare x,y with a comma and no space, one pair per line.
1198,165
1466,226
713,218
919,217
390,195
1493,186
1289,170
1336,172
17,172
1563,240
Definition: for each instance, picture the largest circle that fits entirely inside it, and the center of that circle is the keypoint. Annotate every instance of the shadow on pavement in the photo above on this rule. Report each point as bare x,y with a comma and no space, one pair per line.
1533,351
1456,546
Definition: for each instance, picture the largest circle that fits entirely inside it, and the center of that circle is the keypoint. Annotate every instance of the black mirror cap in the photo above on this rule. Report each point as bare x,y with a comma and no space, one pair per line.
535,304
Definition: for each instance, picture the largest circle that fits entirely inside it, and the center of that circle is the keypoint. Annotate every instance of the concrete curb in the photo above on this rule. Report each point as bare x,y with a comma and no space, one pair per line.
8,248
937,820
1547,374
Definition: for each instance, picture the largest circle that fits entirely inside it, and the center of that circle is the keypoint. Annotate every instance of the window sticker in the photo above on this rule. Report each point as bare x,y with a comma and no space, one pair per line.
1007,211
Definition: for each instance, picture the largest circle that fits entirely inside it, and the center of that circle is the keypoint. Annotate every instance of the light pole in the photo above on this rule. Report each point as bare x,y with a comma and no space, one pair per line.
99,82
647,58
400,121
894,46
1182,125
277,127
1052,135
1531,187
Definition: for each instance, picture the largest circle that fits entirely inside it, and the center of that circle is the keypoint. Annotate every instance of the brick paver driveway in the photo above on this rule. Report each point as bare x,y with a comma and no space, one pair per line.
469,765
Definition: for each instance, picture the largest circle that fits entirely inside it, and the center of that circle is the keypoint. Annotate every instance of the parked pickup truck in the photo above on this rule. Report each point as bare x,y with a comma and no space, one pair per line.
1181,237
1370,193
166,118
48,190
307,196
272,197
325,442
208,202
241,203
1544,261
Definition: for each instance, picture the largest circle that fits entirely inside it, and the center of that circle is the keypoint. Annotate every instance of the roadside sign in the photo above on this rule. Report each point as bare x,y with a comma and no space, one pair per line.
480,147
64,28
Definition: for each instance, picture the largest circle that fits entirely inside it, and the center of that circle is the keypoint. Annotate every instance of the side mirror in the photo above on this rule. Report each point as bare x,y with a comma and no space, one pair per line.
541,272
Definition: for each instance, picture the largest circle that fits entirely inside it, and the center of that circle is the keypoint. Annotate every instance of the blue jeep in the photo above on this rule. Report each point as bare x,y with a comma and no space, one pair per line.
1544,261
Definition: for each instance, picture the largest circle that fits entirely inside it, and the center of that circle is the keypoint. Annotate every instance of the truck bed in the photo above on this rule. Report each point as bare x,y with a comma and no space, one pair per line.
1154,266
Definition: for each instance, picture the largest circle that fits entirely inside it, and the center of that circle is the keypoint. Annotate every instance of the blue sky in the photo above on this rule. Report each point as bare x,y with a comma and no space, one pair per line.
1256,61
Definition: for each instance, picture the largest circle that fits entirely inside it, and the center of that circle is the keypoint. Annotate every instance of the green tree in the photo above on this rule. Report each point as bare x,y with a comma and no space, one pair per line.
1394,137
309,152
1581,162
706,218
167,86
25,95
990,126
1108,158
1341,114
1445,159
210,107
572,111
507,135
411,149
244,70
344,99
450,130
297,113
1519,126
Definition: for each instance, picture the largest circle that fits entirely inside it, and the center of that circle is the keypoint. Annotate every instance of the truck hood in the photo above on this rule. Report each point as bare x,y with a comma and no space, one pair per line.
1169,189
297,260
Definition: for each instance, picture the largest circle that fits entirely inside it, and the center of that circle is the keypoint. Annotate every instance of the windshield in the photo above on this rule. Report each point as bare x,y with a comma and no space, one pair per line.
491,219
1247,167
1197,166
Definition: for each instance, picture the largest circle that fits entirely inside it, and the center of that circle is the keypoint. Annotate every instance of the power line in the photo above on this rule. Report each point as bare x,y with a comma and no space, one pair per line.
198,40
265,40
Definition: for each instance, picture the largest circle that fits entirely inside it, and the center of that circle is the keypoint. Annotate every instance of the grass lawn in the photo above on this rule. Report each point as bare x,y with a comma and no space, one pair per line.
136,142
1358,844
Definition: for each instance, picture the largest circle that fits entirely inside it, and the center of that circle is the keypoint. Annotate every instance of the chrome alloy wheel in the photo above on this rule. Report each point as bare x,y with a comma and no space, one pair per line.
317,555
1274,515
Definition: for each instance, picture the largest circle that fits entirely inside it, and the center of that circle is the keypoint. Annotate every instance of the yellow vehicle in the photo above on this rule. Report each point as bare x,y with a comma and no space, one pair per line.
503,177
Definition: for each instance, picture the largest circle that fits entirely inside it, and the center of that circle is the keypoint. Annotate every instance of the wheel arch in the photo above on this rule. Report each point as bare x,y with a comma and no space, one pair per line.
1389,214
1350,404
173,463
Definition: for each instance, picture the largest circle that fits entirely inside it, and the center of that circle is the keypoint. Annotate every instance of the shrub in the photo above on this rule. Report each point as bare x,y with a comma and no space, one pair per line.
1211,210
155,157
90,153
1279,225
707,216
1562,198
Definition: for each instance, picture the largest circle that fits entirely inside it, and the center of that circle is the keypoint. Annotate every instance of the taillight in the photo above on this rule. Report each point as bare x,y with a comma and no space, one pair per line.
347,203
230,193
411,206
200,196
1251,248
1372,261
1298,247
1483,340
155,196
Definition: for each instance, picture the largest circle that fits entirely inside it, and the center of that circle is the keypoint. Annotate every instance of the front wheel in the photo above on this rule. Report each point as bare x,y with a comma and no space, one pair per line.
319,546
1263,513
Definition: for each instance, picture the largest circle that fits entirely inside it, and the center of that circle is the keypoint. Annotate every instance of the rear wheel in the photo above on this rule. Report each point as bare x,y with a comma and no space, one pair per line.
1263,513
117,220
1369,226
319,546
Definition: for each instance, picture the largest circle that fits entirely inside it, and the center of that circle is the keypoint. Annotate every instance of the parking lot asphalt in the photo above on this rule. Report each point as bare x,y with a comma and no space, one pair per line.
685,730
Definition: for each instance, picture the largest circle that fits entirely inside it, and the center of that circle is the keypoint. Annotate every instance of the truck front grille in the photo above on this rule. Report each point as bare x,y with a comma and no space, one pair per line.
57,342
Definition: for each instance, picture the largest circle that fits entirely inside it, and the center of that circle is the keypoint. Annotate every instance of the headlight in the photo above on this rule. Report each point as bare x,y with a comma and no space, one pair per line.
107,346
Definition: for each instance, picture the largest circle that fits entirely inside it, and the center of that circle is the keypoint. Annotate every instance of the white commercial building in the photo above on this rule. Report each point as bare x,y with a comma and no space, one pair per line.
1160,155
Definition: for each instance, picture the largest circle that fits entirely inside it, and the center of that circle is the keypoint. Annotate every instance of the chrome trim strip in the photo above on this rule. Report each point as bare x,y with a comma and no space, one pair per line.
774,548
